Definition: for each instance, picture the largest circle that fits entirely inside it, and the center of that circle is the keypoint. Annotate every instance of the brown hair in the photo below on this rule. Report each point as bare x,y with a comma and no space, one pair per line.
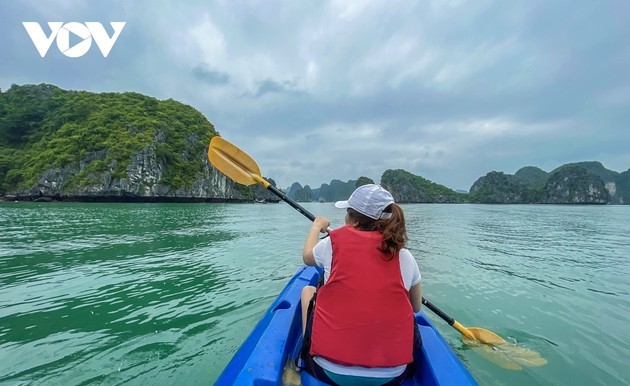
393,229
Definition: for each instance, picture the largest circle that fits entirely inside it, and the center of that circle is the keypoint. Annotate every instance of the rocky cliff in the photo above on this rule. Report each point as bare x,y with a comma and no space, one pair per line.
142,180
573,184
612,180
70,145
568,184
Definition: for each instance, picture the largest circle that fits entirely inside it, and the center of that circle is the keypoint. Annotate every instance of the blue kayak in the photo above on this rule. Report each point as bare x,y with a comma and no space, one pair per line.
277,338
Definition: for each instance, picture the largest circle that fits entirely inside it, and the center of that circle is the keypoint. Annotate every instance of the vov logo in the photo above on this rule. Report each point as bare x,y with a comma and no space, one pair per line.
61,33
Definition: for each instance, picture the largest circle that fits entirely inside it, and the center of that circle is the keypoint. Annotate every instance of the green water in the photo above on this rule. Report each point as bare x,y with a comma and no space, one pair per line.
140,294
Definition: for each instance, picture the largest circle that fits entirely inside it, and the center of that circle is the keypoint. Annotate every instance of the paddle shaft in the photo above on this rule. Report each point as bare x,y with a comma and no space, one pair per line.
437,311
452,322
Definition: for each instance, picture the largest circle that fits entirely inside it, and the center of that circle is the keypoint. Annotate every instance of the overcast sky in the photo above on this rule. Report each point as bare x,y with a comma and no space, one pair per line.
321,90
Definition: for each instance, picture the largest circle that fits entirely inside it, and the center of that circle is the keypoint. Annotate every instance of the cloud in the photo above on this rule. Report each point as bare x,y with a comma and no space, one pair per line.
270,86
204,73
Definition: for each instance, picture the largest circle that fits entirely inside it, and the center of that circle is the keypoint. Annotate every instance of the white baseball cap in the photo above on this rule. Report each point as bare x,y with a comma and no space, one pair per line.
369,200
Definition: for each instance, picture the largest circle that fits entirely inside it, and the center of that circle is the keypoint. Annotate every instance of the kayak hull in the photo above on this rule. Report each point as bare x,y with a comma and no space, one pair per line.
277,338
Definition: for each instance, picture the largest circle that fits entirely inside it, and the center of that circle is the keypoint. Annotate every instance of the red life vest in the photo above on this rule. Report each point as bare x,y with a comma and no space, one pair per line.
363,315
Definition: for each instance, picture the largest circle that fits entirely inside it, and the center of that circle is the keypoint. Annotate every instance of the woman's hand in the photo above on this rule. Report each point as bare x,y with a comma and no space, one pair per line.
320,225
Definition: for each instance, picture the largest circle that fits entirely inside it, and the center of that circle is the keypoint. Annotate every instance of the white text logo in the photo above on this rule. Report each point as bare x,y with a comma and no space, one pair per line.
84,31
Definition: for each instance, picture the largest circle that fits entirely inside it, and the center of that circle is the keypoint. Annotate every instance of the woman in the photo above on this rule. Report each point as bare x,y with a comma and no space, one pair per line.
361,327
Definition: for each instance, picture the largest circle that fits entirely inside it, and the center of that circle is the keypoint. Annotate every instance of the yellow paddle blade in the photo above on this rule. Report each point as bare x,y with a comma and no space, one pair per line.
485,336
509,356
522,355
234,163
501,352
496,356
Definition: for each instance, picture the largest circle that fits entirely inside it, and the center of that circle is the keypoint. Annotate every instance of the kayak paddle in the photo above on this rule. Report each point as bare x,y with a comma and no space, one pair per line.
240,167
495,349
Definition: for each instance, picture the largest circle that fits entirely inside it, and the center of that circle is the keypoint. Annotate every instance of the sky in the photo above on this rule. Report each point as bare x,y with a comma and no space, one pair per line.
319,90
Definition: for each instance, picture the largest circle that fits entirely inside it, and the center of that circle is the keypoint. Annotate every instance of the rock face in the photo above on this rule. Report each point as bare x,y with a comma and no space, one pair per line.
143,182
575,185
613,180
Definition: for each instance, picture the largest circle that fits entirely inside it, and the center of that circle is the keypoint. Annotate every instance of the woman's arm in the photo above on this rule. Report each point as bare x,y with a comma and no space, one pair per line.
320,225
415,295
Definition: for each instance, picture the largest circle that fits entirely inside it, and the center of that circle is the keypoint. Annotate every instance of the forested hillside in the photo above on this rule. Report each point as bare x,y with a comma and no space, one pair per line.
80,144
573,183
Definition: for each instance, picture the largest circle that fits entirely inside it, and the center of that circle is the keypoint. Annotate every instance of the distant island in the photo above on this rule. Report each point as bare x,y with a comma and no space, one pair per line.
404,186
574,183
82,146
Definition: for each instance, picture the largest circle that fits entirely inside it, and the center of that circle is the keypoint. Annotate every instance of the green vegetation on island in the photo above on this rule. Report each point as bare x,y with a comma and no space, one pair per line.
363,181
43,127
82,144
127,146
407,187
573,183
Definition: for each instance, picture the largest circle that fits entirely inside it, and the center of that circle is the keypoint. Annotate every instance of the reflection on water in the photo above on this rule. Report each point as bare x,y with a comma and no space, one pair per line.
166,293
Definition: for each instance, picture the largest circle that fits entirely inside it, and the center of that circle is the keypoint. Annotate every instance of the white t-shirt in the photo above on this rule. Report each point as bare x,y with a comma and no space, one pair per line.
410,272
